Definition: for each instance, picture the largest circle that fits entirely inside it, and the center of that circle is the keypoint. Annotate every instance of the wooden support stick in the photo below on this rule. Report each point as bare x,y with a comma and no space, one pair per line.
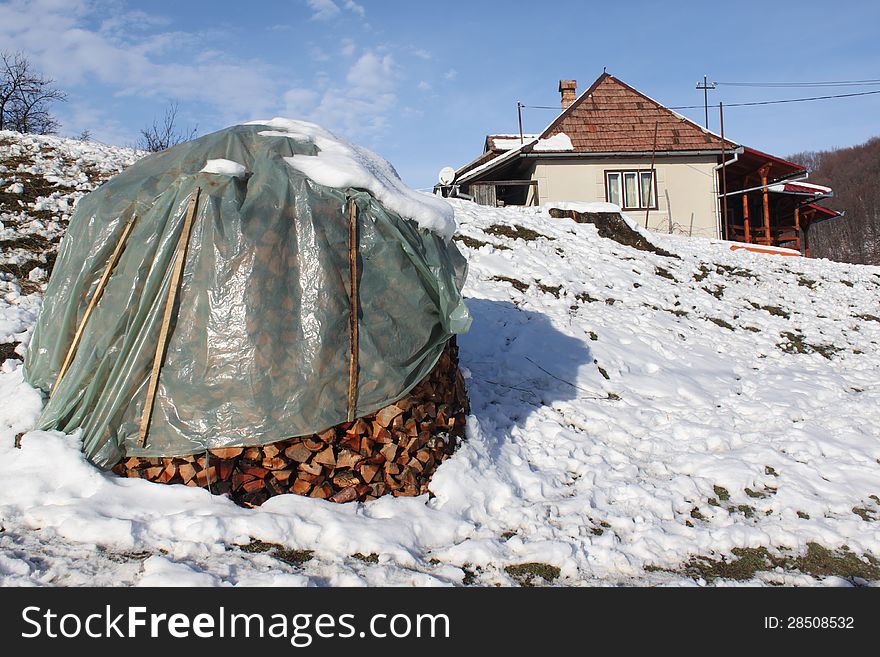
179,259
355,304
99,290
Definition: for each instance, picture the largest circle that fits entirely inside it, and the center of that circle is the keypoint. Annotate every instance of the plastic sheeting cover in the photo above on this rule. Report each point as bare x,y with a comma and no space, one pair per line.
259,344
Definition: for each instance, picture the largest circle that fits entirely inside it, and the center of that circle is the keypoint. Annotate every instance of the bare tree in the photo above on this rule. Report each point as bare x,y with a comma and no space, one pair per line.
26,96
158,137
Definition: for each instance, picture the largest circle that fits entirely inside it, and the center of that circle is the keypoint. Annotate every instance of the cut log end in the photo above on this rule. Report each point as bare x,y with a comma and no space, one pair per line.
393,451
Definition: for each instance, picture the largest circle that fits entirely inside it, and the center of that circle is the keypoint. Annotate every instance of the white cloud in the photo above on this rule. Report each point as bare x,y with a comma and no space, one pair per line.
451,74
355,8
318,54
372,73
323,10
59,39
424,86
358,107
422,53
300,102
348,47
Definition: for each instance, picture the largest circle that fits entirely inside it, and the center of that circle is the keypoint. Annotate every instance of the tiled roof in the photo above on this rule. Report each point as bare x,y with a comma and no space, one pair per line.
613,117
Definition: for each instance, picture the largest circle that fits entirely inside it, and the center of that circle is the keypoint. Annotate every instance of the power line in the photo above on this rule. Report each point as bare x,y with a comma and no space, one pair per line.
838,83
749,104
786,100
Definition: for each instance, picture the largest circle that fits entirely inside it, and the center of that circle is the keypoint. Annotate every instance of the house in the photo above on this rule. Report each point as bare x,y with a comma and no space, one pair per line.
614,144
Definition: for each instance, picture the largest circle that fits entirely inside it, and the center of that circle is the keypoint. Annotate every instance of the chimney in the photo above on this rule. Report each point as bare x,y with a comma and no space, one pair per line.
568,89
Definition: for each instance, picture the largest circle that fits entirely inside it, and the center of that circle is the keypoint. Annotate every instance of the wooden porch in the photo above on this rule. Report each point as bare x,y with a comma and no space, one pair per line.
765,206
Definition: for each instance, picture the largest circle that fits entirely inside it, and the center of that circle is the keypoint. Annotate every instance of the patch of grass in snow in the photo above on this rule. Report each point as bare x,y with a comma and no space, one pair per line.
704,273
549,289
818,561
516,232
745,509
519,285
866,514
808,283
366,558
526,574
287,555
721,323
664,273
803,515
753,329
473,243
470,575
718,292
795,344
770,471
776,311
722,493
736,271
868,318
602,370
586,298
847,283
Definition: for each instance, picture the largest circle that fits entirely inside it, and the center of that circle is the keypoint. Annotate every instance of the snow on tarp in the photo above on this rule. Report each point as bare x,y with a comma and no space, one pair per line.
255,354
225,168
340,164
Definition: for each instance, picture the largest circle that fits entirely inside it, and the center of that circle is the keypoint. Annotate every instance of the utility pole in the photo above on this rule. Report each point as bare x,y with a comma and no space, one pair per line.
519,114
705,87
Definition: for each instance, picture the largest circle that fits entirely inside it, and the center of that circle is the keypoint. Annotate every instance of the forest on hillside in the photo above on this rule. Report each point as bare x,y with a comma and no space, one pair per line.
854,175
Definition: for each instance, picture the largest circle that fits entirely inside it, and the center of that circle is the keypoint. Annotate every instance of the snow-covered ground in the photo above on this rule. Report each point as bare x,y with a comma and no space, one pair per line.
630,412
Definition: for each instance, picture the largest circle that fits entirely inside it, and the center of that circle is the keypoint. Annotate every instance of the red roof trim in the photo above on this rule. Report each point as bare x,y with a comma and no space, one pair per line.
754,151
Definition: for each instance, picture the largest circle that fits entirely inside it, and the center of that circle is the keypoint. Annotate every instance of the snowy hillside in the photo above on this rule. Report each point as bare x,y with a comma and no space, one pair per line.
702,417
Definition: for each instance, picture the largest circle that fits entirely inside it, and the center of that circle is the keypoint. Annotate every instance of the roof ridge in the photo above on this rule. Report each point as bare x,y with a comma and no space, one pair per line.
567,112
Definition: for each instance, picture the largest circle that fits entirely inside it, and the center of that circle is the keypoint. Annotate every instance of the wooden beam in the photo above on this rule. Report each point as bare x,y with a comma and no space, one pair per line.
746,217
764,170
507,183
176,273
96,296
354,300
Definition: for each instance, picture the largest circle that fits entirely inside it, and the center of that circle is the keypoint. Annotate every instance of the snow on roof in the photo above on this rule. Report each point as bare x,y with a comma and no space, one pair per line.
506,142
340,164
558,142
800,187
225,168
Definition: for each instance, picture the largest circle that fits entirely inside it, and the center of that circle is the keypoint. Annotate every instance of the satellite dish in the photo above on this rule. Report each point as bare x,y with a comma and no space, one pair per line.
447,175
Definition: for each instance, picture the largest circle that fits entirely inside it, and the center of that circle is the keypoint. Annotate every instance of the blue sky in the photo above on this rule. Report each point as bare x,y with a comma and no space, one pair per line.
422,83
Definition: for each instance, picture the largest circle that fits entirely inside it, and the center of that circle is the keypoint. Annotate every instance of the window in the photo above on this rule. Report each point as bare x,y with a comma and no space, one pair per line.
631,190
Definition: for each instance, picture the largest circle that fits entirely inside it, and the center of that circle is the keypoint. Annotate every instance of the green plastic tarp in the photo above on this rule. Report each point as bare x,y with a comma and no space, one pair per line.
258,350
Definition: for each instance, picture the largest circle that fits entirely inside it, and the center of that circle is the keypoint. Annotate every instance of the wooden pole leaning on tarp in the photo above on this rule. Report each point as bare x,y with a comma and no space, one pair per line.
176,273
355,305
99,290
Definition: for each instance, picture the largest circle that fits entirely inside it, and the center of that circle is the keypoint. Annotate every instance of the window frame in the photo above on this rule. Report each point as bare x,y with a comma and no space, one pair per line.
621,173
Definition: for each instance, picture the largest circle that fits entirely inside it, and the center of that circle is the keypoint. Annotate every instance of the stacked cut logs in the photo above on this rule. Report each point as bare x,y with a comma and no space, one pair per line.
395,450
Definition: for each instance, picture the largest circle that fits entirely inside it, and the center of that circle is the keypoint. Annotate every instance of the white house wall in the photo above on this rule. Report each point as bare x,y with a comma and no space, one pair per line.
689,181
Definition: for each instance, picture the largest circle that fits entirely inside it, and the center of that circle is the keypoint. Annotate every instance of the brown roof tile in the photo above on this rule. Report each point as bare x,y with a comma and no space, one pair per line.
613,117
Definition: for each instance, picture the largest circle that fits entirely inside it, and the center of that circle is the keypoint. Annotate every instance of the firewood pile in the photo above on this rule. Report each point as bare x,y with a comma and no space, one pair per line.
395,450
